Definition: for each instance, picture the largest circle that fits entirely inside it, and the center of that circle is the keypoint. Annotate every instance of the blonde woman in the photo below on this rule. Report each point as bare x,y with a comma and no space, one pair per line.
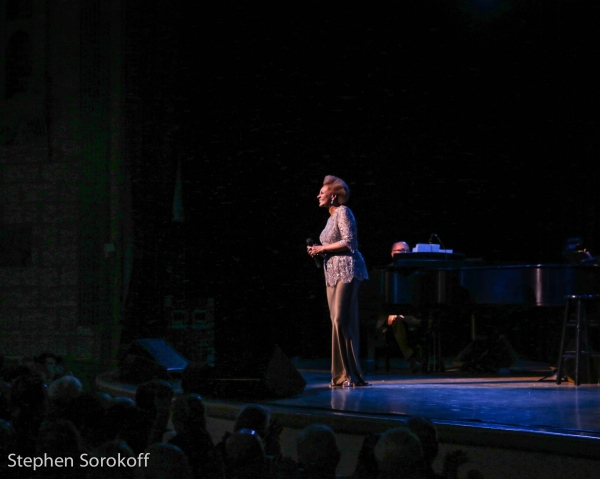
344,269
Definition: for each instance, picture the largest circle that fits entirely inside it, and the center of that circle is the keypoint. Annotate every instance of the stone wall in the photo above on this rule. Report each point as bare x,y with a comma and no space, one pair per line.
39,300
49,168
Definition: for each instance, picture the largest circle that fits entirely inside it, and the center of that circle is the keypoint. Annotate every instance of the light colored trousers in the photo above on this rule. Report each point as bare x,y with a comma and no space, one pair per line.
345,332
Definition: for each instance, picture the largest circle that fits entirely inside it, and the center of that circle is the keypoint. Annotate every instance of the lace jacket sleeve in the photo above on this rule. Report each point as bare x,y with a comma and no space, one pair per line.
347,228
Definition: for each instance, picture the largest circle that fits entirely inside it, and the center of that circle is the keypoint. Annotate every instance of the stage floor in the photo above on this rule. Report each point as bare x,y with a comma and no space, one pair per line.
510,401
512,410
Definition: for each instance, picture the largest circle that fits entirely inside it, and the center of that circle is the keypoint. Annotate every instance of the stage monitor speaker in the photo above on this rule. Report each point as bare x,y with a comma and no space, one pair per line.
269,376
151,358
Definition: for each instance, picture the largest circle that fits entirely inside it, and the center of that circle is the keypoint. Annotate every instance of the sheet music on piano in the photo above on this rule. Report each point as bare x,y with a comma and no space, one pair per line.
430,248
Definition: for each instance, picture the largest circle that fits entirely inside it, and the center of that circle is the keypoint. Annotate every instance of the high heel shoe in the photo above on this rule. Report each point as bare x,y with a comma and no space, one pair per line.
360,384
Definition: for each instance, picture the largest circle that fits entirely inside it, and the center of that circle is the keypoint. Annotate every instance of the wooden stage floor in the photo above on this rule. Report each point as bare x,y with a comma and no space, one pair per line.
514,410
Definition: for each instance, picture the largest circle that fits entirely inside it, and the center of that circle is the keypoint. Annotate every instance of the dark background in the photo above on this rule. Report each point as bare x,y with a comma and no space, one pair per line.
476,120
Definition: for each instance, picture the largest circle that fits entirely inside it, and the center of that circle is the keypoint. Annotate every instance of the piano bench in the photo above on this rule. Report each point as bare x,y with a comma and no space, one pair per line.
582,305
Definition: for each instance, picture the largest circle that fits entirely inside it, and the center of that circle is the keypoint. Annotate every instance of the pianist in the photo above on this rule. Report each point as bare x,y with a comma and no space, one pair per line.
400,247
394,326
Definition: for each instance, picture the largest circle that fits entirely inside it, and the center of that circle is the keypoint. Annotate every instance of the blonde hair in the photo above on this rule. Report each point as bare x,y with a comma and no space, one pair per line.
338,187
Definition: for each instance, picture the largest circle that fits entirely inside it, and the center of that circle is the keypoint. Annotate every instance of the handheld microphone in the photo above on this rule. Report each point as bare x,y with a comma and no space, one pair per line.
317,260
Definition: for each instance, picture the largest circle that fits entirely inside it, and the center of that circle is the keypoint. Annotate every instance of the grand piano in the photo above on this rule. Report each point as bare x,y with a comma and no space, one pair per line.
432,283
427,279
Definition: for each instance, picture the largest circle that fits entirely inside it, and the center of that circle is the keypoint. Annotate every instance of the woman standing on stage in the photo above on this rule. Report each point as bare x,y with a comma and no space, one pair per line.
344,270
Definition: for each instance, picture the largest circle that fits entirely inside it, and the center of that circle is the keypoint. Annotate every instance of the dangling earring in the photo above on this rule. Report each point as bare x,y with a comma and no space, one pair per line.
332,198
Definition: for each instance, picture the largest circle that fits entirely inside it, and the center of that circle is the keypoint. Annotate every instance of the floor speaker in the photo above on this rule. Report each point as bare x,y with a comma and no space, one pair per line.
151,358
266,376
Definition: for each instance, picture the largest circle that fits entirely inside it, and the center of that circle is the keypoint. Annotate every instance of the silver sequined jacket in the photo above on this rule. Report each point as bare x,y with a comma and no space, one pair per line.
345,265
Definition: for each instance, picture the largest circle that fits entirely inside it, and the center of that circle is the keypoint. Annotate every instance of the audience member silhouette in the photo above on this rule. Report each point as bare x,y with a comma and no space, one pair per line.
165,461
62,392
114,449
189,420
29,407
366,464
318,452
135,430
50,365
398,453
88,414
427,433
119,415
59,440
46,364
245,456
153,399
258,418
